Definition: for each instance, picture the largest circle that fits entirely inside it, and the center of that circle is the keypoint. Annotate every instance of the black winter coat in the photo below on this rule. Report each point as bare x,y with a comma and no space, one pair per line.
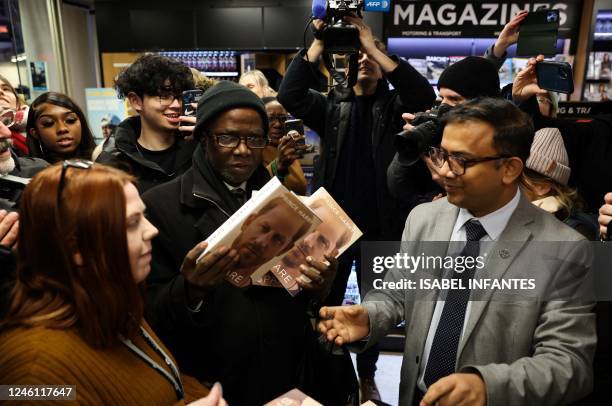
122,152
330,116
251,340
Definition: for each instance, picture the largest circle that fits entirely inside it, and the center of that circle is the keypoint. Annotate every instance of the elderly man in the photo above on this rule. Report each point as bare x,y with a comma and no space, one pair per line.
251,339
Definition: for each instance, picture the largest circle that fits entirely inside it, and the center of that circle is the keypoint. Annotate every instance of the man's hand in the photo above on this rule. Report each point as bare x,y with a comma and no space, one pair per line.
407,117
605,216
369,46
9,229
317,276
187,130
317,47
207,273
456,389
365,33
214,398
509,35
287,152
344,324
525,85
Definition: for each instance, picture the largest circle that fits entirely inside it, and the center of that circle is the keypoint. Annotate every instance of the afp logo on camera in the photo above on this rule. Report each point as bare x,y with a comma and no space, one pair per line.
377,5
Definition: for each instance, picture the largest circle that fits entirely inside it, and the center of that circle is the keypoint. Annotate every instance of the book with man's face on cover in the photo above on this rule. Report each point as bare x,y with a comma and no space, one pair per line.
263,230
336,233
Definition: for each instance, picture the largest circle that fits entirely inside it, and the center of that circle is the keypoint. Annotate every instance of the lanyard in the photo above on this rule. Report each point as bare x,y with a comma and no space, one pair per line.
174,380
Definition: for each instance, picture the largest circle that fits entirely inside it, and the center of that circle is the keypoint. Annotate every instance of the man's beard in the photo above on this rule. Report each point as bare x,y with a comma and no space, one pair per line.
6,165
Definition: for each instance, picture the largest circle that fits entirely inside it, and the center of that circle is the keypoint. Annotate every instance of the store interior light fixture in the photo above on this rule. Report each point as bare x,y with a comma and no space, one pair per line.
18,58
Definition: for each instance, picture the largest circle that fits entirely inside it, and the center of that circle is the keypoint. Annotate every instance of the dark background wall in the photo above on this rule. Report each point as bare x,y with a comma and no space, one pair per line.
136,25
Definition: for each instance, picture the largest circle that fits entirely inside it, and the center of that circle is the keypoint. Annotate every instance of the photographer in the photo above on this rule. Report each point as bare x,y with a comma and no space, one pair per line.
410,177
356,127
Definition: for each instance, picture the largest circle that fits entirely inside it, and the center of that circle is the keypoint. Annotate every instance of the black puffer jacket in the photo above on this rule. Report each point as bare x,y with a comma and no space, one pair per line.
122,152
329,116
252,339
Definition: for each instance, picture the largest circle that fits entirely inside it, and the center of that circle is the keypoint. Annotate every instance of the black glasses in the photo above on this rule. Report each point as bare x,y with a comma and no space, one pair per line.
7,117
457,164
232,140
167,98
70,163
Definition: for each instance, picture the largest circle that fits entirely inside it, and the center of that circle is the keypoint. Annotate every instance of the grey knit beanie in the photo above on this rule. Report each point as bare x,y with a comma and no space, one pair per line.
548,155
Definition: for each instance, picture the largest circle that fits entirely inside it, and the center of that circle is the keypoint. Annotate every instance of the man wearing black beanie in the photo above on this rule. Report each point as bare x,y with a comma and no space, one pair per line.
411,181
250,339
468,78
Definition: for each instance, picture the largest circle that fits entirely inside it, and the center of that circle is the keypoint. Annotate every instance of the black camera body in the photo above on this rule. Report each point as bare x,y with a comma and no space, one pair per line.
340,37
427,132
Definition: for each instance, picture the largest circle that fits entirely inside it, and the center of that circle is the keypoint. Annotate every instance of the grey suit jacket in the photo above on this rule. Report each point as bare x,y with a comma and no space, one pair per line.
527,352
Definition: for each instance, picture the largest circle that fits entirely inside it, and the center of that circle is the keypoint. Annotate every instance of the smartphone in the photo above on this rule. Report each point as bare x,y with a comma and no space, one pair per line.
538,33
555,76
296,125
188,97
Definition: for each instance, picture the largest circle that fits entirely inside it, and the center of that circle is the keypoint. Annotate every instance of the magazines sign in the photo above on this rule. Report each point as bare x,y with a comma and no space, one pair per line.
470,18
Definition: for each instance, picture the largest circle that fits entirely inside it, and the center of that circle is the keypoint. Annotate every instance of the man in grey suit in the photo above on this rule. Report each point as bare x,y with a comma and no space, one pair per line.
465,352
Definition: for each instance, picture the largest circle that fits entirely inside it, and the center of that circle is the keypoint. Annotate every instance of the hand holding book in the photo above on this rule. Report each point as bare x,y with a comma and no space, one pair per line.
204,275
317,276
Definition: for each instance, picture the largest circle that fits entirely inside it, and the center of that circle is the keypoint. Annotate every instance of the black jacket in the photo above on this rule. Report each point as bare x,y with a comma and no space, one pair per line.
25,167
248,339
122,152
329,117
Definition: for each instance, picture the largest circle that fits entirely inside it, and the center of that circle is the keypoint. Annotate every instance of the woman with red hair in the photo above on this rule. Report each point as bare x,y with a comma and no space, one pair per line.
76,314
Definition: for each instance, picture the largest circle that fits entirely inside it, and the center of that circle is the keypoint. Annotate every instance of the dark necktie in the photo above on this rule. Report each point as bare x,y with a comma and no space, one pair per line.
443,353
239,196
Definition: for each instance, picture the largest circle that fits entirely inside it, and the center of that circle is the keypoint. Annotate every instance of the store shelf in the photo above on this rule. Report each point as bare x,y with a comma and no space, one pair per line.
221,74
604,80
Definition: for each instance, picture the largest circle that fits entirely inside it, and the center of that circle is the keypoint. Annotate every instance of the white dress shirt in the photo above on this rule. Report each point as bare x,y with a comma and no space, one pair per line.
494,224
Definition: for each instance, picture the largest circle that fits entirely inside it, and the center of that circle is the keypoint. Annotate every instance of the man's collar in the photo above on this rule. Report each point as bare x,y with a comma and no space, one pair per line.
494,223
242,186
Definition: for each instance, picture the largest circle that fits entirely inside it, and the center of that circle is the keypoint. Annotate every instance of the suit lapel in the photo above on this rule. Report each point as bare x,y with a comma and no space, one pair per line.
500,256
435,245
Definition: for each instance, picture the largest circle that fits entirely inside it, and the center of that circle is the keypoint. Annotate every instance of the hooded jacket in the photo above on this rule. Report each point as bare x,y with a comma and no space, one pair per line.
248,339
122,152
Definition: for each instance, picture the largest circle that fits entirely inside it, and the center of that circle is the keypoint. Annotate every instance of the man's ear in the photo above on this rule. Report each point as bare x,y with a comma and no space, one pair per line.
513,169
135,101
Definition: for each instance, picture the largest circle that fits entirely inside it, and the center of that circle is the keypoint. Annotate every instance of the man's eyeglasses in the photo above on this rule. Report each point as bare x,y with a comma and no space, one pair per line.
70,163
280,118
7,117
456,163
232,140
166,99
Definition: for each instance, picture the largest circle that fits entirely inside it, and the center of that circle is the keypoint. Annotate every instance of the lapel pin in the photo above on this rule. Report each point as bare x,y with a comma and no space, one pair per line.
504,253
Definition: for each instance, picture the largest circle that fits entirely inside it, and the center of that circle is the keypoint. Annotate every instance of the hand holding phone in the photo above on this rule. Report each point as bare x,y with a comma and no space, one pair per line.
293,127
189,104
555,76
538,33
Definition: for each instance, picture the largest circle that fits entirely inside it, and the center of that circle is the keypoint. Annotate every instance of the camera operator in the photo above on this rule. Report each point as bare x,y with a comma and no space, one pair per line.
356,127
411,178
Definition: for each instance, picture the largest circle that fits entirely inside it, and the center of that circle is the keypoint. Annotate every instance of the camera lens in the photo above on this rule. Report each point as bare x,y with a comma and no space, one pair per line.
562,74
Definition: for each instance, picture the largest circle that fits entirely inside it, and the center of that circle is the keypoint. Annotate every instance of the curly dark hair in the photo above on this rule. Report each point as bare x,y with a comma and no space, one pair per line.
148,74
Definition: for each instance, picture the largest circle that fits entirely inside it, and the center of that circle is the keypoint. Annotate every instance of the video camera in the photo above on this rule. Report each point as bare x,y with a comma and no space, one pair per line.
341,37
427,132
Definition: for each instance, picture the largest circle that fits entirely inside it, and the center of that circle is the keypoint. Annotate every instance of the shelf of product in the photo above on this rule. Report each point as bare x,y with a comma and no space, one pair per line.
217,64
